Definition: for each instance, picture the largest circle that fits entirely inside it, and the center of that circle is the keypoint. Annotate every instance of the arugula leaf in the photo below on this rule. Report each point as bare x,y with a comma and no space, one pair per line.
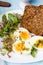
1,33
9,24
33,51
7,27
12,18
4,19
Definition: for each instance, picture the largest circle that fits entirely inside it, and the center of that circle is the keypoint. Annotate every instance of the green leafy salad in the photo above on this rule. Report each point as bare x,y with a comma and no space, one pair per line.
7,27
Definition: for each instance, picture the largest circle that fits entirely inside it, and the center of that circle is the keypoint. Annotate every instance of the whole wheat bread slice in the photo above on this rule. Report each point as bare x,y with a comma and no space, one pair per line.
32,19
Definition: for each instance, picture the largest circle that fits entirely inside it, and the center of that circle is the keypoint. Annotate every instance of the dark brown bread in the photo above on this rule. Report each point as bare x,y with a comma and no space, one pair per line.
33,19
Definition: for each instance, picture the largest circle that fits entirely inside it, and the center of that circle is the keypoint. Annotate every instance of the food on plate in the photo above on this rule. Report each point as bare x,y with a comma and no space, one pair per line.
8,24
7,27
22,34
7,43
33,51
21,47
39,43
10,32
18,33
32,19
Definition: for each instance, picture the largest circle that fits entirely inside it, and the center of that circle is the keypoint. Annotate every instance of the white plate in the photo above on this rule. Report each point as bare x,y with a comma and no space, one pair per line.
20,58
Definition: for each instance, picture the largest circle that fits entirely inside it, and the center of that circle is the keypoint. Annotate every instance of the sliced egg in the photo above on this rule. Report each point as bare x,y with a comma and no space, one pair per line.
22,34
36,40
21,47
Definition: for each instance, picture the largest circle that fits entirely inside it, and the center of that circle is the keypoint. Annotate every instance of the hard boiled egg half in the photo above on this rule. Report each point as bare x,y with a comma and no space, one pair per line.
21,47
22,34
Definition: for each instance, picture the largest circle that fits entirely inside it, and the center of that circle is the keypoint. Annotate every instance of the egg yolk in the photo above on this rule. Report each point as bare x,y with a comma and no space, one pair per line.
19,47
24,35
40,45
